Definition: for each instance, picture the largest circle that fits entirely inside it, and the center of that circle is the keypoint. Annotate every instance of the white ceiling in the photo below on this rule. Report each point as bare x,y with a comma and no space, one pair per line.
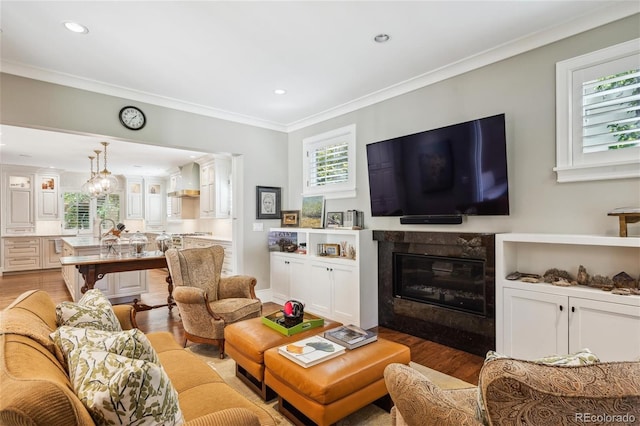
224,59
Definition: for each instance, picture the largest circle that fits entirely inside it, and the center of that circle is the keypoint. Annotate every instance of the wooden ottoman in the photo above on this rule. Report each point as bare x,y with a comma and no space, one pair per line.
246,341
333,389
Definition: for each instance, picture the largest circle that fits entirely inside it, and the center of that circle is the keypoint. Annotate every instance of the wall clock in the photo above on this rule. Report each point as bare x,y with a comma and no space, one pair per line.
132,118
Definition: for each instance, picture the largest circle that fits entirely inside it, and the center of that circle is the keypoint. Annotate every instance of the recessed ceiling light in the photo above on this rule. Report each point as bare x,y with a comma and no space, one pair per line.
381,38
280,91
75,27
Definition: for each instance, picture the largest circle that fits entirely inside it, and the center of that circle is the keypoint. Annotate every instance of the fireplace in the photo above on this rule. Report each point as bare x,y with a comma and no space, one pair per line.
449,282
451,299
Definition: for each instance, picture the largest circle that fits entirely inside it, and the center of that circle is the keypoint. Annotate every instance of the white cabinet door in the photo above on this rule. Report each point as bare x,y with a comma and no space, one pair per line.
598,325
129,283
320,294
298,280
535,324
154,197
135,206
47,190
279,278
346,294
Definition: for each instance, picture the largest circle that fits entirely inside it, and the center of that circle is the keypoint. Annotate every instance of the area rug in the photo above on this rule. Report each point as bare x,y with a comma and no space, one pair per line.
371,415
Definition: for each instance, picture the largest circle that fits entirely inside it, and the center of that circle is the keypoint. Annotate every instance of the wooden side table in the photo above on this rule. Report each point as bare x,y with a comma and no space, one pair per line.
625,218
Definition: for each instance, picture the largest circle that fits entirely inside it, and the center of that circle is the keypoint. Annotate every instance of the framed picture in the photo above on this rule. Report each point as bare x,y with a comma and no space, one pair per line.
290,218
312,212
331,249
267,202
333,220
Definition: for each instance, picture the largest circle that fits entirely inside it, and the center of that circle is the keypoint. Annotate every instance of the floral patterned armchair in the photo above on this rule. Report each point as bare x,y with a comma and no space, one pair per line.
207,301
517,392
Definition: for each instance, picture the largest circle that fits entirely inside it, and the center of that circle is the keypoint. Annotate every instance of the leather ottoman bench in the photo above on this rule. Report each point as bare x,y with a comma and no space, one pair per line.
246,341
333,389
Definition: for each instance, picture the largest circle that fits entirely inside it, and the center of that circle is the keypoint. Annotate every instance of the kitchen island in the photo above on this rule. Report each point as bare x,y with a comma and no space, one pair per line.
119,287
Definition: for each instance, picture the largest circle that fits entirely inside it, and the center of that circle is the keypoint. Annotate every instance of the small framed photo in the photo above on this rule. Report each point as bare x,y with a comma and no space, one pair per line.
334,219
267,202
331,249
290,219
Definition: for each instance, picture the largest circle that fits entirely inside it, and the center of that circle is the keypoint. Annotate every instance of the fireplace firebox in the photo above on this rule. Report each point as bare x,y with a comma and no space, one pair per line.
449,282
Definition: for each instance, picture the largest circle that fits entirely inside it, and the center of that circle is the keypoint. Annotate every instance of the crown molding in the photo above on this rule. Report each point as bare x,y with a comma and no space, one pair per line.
575,26
567,29
63,79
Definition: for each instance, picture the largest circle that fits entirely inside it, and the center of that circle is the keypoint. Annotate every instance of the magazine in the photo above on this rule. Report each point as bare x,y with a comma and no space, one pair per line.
351,336
311,351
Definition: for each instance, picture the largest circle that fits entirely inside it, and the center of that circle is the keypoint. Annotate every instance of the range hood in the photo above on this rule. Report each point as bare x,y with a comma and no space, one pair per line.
188,182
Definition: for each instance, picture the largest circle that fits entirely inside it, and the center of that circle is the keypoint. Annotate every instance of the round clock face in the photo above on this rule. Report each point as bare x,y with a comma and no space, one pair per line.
132,118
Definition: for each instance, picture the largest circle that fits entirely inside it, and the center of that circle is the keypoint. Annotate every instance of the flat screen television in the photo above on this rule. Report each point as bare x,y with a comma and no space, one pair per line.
454,170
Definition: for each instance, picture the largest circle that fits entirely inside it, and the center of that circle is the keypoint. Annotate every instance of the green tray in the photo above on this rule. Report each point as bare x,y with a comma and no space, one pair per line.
310,321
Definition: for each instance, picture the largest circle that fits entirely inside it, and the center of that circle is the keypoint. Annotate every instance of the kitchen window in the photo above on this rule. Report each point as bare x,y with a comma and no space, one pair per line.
329,163
80,209
598,115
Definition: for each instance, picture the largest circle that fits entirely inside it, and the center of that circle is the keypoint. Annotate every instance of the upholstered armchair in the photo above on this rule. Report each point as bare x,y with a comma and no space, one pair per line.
516,392
206,301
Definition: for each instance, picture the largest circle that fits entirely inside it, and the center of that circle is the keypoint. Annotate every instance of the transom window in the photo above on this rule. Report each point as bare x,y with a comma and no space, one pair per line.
598,114
329,163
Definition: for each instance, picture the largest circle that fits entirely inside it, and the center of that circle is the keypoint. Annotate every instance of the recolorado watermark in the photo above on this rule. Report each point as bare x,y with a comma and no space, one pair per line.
605,418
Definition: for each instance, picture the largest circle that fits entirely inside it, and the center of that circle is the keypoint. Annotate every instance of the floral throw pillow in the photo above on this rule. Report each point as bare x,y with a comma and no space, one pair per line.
123,391
582,357
93,310
130,343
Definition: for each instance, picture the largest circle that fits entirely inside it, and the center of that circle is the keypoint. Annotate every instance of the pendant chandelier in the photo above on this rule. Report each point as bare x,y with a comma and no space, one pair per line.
100,182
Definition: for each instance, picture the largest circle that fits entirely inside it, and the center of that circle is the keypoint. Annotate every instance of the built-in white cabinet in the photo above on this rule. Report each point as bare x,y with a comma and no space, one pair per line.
342,288
135,198
48,196
51,249
154,202
18,197
215,187
21,254
536,320
30,253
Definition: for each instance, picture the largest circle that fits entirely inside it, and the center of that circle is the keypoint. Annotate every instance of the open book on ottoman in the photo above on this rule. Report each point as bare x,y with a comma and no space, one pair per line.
311,351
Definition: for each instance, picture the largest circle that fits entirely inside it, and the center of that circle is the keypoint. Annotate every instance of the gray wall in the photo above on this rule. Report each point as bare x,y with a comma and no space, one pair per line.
32,103
522,87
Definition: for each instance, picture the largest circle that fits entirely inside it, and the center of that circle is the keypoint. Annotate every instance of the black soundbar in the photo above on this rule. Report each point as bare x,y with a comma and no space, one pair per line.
431,220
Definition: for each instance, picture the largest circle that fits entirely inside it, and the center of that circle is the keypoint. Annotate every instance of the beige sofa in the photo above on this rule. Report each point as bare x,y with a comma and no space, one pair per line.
36,390
516,392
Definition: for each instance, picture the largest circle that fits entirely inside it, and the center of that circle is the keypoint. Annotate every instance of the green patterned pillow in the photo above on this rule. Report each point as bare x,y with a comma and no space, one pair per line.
582,357
93,310
130,343
120,390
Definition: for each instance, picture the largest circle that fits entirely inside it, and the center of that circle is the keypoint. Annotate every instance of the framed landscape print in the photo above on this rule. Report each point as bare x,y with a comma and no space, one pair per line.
312,212
267,202
333,220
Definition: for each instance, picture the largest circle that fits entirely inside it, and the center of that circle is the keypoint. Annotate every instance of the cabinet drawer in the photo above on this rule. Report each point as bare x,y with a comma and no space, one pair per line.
21,263
26,248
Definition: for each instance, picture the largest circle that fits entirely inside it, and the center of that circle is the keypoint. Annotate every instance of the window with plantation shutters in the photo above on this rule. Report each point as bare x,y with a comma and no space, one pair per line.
80,210
598,115
329,163
77,211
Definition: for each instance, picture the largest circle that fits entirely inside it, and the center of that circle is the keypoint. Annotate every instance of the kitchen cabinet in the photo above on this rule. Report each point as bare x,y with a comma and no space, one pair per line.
135,198
21,253
48,196
51,249
215,188
341,288
154,203
18,196
536,320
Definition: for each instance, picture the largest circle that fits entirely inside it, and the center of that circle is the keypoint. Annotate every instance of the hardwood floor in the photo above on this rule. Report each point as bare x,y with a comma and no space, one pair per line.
460,364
